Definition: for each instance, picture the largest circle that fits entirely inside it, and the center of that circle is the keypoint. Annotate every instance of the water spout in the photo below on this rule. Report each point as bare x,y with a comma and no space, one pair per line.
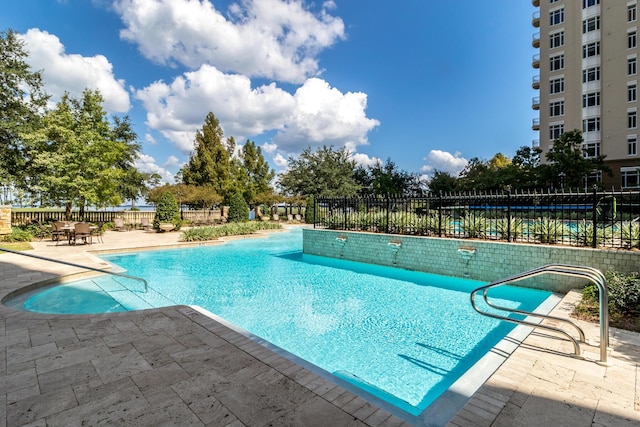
466,253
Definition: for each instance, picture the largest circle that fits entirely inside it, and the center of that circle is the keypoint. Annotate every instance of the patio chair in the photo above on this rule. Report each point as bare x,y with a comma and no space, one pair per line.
82,230
119,225
145,224
98,231
57,231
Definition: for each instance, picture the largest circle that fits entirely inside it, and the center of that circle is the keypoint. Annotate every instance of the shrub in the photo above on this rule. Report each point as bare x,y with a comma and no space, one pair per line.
548,230
167,211
310,209
18,235
624,293
583,233
233,229
238,208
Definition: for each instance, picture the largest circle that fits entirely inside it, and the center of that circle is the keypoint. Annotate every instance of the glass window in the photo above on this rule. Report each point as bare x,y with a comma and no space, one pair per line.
555,131
556,17
630,178
591,99
556,85
631,40
591,49
632,64
556,63
632,93
631,12
591,74
632,119
591,24
591,125
632,145
556,39
556,108
589,3
591,149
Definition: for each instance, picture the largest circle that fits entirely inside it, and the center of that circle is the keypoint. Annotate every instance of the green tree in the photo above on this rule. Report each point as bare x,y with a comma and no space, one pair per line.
79,154
211,164
254,173
22,104
238,208
167,211
525,171
386,179
567,165
325,173
443,182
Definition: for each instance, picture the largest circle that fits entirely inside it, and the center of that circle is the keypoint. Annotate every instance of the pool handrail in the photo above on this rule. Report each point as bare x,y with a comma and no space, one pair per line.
592,274
86,267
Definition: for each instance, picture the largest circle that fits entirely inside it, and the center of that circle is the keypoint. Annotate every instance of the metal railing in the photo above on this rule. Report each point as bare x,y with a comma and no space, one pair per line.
113,273
595,219
592,274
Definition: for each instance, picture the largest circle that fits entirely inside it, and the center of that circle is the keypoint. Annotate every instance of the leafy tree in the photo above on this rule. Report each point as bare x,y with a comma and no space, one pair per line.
568,166
443,182
167,211
525,171
78,154
22,103
481,175
386,179
325,173
254,173
309,211
136,184
210,163
238,208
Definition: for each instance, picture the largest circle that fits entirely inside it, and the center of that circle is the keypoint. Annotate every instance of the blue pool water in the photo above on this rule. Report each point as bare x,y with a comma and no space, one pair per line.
404,336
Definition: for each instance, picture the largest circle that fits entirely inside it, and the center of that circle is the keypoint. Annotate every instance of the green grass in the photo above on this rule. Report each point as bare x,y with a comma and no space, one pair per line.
15,246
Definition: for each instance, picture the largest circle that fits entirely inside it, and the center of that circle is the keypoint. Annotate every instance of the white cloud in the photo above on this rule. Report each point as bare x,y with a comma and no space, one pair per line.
274,39
280,161
146,163
73,73
364,159
172,161
445,162
150,139
269,148
316,114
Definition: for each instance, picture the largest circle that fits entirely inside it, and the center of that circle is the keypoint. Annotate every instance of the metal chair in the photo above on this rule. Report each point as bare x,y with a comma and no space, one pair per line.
82,230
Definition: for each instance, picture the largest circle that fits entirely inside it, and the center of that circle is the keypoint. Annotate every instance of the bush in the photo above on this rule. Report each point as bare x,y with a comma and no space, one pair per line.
18,235
238,208
233,229
167,211
624,294
310,209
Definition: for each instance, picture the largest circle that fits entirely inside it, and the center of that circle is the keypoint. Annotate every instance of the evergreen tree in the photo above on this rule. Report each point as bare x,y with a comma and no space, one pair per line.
167,211
255,175
238,208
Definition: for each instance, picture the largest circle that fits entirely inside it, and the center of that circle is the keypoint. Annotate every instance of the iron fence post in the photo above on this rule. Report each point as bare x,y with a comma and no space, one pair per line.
594,216
508,215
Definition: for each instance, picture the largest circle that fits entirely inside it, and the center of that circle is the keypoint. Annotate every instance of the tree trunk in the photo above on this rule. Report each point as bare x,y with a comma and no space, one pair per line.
67,211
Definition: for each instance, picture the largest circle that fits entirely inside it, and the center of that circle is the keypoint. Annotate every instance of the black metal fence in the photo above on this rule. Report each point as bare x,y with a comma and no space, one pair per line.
606,219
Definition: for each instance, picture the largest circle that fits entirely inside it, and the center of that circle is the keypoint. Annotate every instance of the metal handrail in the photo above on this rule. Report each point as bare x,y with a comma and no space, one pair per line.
592,274
79,266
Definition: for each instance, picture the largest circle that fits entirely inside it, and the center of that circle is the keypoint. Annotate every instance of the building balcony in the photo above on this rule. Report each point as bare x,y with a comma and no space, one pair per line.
535,143
535,19
535,103
535,82
535,124
535,3
535,61
536,40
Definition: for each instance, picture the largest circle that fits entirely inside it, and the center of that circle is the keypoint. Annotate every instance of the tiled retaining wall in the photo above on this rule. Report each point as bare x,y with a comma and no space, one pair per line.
490,261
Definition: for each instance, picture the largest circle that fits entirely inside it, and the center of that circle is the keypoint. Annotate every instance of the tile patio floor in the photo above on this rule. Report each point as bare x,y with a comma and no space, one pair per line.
178,366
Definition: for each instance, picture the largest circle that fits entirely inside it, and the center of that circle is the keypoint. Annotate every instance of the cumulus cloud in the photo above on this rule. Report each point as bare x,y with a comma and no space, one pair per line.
315,114
146,163
74,73
269,148
445,162
280,161
364,159
273,39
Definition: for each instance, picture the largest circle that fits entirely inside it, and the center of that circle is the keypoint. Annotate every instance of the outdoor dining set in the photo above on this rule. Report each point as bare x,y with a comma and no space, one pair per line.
74,232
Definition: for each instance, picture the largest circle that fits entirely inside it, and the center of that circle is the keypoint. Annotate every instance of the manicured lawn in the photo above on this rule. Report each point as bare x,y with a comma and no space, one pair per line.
15,246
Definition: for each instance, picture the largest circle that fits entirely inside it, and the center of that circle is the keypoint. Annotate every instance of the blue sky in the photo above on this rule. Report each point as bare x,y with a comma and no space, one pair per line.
429,84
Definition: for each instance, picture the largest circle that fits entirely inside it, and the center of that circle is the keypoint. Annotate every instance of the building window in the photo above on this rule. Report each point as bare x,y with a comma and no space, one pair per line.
556,108
553,1
555,131
591,49
591,125
591,24
632,66
591,149
630,177
557,39
556,63
631,40
594,178
632,119
591,75
632,93
589,3
631,12
591,99
632,145
556,86
556,17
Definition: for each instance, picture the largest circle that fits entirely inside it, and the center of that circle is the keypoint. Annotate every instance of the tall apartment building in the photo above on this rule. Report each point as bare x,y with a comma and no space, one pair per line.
588,80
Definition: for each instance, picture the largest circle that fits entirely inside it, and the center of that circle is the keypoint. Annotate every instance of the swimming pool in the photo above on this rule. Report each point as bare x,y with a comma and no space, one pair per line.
403,336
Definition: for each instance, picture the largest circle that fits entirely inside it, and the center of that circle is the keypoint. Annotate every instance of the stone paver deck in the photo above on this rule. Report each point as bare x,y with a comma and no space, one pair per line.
180,366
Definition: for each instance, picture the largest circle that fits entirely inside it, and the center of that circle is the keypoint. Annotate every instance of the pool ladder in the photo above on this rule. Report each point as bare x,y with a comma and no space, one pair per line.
113,273
592,274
